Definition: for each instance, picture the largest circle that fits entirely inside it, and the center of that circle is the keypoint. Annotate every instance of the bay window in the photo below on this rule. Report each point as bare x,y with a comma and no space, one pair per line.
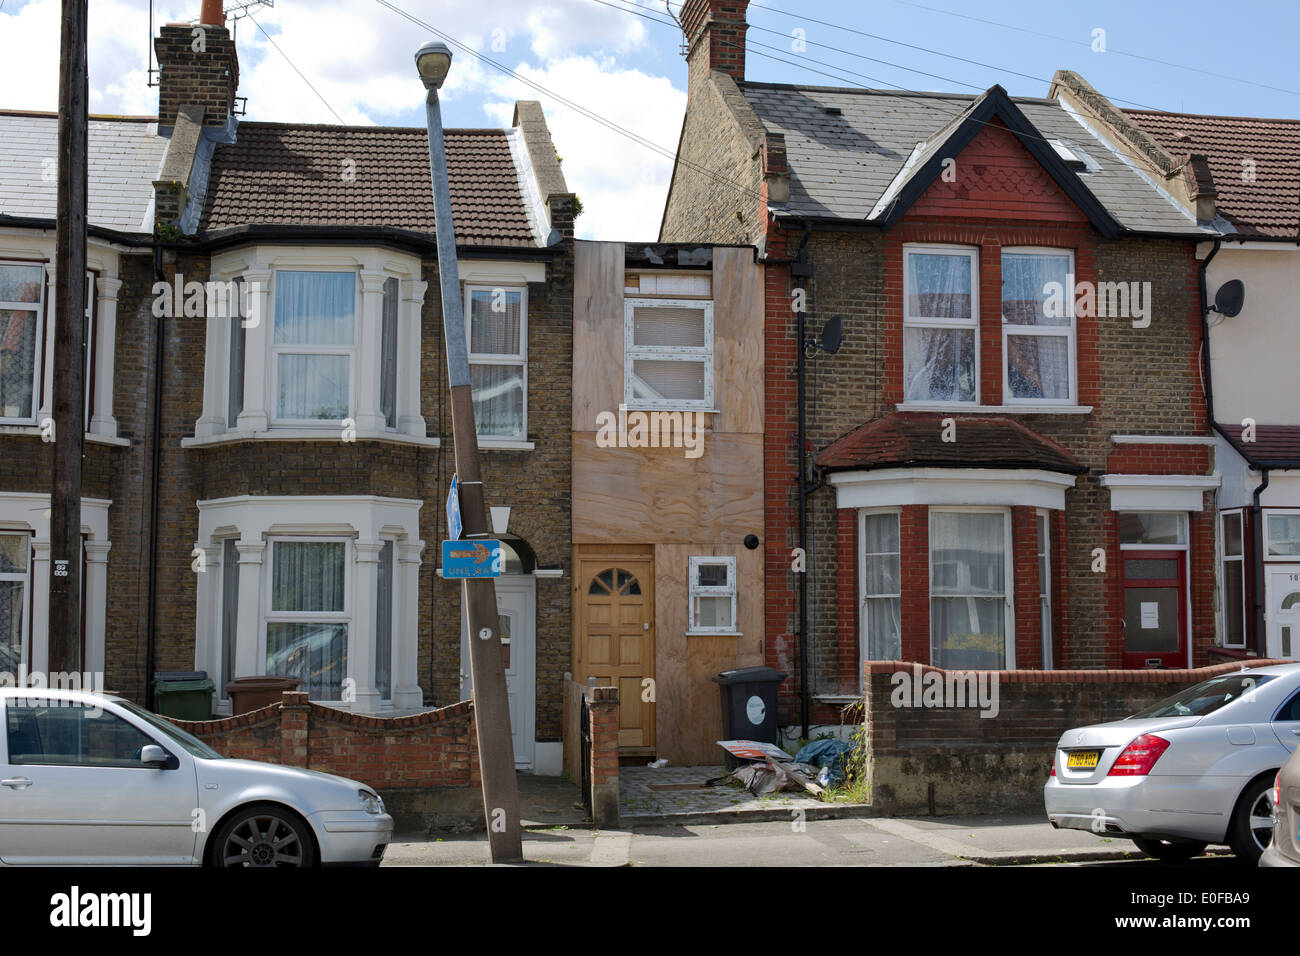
668,354
308,615
882,632
969,604
1038,326
940,324
498,360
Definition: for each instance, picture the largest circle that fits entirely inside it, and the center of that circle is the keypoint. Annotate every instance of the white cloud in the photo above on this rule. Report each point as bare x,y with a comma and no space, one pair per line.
622,184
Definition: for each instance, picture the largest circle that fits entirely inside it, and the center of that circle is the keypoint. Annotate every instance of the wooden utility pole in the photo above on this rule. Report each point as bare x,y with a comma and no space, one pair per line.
69,384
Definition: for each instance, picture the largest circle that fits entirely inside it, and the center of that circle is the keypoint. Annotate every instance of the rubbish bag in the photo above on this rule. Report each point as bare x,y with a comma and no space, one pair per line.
832,754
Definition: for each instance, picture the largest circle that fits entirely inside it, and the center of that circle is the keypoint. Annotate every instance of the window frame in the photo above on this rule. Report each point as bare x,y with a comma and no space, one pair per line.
694,590
1070,332
39,357
1240,559
25,636
1185,529
500,358
864,638
1008,567
83,708
972,253
702,355
1043,548
1268,515
275,350
270,616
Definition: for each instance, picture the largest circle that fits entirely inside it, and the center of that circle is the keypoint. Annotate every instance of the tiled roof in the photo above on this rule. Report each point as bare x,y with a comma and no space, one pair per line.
296,174
842,162
913,439
124,158
1255,164
1273,443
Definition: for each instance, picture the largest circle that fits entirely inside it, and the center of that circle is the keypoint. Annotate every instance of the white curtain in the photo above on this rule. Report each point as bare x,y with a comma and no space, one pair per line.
1038,366
388,354
882,585
14,550
19,285
309,576
494,332
968,589
312,386
498,389
315,308
939,364
498,399
938,286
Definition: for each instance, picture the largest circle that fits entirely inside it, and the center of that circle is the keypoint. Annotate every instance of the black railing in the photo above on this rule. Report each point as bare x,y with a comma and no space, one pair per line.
584,734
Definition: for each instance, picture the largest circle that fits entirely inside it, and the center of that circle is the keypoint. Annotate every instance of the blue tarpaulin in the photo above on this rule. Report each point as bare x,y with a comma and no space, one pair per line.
826,753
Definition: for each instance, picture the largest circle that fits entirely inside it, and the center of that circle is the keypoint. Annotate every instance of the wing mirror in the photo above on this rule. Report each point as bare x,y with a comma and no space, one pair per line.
152,755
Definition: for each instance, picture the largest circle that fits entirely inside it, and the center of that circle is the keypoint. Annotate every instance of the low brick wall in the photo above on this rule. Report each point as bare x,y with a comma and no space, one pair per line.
945,759
425,765
602,703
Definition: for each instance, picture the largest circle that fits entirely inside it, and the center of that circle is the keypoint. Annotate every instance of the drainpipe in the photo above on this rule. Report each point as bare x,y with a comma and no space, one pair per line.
151,628
802,270
1257,522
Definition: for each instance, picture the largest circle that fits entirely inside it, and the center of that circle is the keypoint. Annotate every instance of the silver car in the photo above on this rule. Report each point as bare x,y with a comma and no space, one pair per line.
89,779
1195,769
1284,850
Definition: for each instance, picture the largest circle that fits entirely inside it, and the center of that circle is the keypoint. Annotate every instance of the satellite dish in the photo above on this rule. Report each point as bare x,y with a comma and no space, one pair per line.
1230,298
833,334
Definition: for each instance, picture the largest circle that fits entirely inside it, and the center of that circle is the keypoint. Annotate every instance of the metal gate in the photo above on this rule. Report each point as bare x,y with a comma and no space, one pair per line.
584,734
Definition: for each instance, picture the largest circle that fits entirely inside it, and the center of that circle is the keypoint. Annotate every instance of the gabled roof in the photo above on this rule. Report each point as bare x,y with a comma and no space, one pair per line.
294,174
914,439
846,147
1275,446
124,157
1255,164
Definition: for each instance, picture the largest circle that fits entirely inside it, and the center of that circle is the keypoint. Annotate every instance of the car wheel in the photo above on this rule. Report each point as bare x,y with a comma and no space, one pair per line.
263,835
1172,850
1251,829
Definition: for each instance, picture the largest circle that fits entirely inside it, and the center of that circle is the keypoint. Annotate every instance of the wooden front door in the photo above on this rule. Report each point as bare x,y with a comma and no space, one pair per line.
615,645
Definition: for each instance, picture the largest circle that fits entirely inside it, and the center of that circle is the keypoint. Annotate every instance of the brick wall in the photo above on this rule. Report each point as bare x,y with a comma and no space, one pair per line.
994,764
207,77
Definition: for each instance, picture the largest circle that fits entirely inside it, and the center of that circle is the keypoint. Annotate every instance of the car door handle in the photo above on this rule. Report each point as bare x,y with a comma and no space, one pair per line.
16,783
1296,731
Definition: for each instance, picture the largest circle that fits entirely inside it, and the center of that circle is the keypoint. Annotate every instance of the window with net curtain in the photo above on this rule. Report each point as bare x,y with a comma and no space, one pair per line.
881,588
498,345
21,295
307,622
940,321
1037,343
968,581
312,344
15,553
668,353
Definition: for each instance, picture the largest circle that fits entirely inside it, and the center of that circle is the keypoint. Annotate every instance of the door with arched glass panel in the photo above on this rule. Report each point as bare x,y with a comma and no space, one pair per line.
1284,612
616,640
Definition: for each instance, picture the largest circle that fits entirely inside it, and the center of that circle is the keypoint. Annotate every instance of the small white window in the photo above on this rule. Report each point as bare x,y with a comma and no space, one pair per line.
712,595
1153,528
881,587
22,306
313,345
498,360
668,354
1233,578
940,324
308,614
1283,531
1038,327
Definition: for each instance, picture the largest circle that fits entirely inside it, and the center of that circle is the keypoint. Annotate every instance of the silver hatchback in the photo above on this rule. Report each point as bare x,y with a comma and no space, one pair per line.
1195,769
88,779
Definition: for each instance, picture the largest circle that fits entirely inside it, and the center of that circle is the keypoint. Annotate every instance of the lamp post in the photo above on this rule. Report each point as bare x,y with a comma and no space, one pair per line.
491,704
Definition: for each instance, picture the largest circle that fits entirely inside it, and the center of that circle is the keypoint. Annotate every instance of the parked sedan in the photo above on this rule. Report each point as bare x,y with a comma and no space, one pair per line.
1284,849
90,779
1195,769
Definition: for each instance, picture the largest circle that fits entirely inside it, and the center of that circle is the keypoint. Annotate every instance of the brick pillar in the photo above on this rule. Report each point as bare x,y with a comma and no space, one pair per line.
1024,581
850,657
602,702
914,580
295,714
989,322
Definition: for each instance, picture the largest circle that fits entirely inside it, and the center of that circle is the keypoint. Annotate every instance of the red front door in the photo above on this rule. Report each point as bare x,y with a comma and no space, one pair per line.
1155,608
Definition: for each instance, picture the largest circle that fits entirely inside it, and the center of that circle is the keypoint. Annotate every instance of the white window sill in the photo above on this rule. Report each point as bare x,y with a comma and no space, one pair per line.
994,409
675,408
694,633
34,431
308,434
505,444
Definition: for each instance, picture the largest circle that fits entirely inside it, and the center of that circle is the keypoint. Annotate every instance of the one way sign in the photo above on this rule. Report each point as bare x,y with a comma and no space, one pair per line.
471,559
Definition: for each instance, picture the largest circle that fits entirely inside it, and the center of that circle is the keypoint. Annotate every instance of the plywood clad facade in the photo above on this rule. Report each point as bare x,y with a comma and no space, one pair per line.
674,505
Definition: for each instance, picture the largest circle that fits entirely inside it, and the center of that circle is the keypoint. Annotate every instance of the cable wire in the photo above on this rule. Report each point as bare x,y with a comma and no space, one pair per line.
295,68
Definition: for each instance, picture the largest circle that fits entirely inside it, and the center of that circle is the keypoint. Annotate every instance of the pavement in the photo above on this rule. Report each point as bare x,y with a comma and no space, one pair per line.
795,841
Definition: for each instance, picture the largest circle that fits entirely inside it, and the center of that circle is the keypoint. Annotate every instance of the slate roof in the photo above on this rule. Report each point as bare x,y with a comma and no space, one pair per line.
915,439
125,156
1274,445
841,164
296,174
1268,206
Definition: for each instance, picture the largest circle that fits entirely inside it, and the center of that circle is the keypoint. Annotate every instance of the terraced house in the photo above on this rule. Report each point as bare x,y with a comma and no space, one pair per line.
1010,464
269,446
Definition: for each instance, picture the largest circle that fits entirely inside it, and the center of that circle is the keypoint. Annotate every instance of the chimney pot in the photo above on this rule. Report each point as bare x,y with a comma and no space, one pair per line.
212,14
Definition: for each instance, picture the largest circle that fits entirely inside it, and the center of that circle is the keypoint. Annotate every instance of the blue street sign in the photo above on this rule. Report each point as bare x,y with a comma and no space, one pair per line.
472,559
454,526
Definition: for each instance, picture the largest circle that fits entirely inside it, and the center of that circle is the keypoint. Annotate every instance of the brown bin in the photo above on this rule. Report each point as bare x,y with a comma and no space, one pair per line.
252,693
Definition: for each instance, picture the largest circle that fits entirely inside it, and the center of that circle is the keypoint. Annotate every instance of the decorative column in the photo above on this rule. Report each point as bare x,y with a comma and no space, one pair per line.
207,638
103,422
216,361
257,342
410,420
369,418
96,603
250,605
406,631
361,635
38,659
47,368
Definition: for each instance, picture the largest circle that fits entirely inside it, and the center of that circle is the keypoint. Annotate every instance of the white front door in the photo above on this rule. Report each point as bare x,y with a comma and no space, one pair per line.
517,607
1283,611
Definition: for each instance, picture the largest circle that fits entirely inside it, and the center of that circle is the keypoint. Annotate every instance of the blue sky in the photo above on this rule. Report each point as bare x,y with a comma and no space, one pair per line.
357,55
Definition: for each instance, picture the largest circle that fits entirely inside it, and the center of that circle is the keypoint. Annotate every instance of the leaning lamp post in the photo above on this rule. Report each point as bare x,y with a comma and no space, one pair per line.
491,705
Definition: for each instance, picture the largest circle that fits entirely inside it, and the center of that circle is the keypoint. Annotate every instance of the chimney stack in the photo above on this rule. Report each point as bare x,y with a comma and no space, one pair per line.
715,35
198,67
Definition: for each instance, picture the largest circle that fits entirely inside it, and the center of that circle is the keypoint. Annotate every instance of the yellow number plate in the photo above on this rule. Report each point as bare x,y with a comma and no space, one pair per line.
1082,759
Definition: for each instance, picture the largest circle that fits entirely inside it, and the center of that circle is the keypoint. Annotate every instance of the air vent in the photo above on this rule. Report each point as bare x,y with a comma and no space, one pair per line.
834,111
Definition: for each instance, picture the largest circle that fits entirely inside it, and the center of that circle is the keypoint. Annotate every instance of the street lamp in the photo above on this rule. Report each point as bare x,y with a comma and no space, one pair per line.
491,704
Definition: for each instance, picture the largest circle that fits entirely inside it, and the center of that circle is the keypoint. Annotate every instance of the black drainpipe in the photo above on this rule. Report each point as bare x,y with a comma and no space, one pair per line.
151,628
1257,558
801,270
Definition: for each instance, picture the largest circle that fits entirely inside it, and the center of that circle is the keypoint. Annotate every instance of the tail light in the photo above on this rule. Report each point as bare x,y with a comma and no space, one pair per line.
1139,757
1277,792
